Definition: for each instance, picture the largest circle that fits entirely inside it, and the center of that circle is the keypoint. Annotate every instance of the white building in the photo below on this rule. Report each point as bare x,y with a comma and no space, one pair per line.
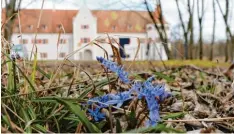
83,26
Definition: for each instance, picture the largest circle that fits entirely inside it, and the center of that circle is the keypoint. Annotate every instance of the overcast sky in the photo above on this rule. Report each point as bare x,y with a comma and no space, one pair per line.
169,10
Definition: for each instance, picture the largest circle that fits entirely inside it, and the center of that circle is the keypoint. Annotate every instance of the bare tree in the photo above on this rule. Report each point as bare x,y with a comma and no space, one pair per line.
213,35
190,27
161,30
200,12
226,20
184,30
188,30
228,31
11,9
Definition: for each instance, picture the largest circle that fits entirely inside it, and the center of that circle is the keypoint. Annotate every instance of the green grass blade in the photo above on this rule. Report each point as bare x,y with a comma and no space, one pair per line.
40,128
57,124
173,115
43,72
163,76
34,69
5,120
72,119
27,121
24,75
81,115
5,62
10,80
31,112
101,124
76,109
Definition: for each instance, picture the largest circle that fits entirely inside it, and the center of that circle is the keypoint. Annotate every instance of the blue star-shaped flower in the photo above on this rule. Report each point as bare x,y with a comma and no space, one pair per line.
150,92
153,94
111,99
119,98
123,76
96,114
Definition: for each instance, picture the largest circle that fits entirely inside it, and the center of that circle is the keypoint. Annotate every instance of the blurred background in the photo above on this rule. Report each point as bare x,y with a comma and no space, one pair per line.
171,29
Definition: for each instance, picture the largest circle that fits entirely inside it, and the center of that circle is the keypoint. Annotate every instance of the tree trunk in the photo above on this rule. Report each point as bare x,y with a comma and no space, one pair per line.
232,49
228,31
10,17
186,45
213,35
8,30
160,30
226,48
184,30
200,19
191,43
190,27
227,41
200,41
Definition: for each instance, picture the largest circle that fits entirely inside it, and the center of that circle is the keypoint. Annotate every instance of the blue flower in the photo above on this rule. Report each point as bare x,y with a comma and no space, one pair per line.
150,92
164,96
150,79
96,114
101,99
111,99
115,68
119,99
153,94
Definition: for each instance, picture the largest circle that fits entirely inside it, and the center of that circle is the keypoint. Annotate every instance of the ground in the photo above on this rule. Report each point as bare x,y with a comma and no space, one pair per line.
201,97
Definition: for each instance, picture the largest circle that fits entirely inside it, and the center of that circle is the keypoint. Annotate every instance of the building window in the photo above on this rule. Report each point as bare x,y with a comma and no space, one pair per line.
44,41
44,55
85,40
84,26
40,41
44,27
30,27
62,41
23,41
62,55
101,40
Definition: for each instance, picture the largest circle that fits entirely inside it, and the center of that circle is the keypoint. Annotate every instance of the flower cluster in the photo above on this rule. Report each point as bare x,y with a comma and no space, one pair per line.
153,94
15,56
96,114
105,101
111,99
115,68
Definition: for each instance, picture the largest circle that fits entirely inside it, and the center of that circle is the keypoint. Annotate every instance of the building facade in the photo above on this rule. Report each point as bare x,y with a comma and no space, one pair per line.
62,32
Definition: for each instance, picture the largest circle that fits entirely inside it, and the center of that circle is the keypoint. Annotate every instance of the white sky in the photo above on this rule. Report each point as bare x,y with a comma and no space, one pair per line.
169,10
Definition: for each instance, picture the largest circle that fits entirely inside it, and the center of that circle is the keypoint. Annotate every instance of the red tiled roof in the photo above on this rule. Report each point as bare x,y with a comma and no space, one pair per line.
107,20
